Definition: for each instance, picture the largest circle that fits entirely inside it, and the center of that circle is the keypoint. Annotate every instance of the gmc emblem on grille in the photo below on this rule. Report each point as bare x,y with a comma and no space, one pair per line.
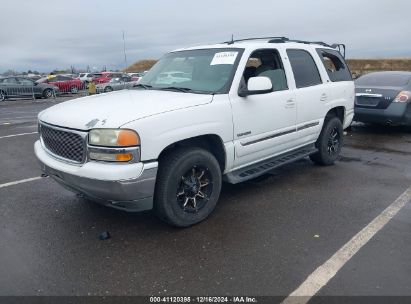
368,90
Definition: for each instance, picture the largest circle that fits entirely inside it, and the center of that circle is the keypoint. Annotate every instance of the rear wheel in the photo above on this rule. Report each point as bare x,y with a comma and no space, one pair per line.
74,90
108,89
188,186
2,96
329,142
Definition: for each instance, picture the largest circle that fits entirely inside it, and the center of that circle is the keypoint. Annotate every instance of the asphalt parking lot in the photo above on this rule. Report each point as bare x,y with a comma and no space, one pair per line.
266,237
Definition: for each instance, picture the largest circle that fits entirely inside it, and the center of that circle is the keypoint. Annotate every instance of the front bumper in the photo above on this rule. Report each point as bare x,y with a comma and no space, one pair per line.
129,187
395,113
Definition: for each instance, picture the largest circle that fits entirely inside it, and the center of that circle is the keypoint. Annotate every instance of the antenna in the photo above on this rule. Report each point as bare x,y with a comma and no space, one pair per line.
231,41
124,49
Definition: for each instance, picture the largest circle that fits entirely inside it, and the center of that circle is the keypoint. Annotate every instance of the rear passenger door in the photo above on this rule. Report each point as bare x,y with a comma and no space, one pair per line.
311,95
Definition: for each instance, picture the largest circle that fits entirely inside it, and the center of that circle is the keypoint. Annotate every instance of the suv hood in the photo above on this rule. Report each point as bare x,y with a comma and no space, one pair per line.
112,110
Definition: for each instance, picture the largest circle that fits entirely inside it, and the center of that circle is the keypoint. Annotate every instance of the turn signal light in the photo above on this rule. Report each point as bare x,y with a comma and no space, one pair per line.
124,157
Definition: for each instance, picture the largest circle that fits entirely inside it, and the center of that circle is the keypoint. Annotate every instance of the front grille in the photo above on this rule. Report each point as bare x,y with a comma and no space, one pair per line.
65,144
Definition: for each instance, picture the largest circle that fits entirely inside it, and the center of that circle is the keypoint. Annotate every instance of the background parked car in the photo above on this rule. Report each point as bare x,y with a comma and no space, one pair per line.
115,84
25,87
136,76
64,83
384,98
85,77
106,77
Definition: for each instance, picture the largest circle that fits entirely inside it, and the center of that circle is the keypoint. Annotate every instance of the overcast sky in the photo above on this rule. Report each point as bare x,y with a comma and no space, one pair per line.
47,34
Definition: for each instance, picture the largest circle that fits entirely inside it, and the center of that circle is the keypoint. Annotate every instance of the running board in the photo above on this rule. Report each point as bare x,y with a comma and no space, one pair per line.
262,167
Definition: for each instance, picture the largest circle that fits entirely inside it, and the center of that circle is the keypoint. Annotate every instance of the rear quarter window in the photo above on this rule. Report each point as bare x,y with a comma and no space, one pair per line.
335,65
304,68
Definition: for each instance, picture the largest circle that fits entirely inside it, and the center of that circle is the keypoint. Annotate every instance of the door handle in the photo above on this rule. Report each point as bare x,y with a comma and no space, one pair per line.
323,97
290,103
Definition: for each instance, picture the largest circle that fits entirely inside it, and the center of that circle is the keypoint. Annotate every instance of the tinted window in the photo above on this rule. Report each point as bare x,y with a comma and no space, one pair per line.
383,79
335,66
304,68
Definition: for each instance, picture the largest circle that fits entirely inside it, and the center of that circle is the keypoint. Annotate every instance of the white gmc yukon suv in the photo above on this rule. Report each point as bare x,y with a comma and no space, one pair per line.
201,115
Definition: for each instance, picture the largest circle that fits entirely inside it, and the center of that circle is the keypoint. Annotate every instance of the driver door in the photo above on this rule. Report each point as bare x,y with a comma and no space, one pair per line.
264,124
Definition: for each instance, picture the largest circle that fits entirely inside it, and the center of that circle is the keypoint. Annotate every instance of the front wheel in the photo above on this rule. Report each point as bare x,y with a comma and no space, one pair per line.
329,143
188,186
48,93
108,89
2,96
74,90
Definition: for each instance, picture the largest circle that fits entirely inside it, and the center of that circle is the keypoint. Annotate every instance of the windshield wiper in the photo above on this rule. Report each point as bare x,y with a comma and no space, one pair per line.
144,86
184,90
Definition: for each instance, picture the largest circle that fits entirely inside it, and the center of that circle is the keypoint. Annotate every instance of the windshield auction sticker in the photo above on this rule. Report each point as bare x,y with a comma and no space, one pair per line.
224,58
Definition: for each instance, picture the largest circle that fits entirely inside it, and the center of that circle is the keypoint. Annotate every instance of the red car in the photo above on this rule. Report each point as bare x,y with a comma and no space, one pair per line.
104,77
65,84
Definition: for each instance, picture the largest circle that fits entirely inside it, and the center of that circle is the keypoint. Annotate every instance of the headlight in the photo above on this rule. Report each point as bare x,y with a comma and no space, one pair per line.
113,138
117,145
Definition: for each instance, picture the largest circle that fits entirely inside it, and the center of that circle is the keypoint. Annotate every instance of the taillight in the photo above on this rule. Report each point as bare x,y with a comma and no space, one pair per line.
404,96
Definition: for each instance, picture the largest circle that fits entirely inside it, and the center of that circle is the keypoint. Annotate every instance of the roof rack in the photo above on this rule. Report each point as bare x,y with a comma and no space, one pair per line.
232,41
281,39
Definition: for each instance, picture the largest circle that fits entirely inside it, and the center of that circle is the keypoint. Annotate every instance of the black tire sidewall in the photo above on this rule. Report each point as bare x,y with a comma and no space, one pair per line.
170,209
322,145
2,96
45,93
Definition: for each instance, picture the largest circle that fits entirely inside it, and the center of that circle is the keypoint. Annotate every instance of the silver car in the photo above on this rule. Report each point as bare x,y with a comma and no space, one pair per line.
115,84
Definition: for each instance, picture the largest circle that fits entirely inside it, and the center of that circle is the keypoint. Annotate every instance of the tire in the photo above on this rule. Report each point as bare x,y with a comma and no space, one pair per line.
108,89
188,186
74,90
329,143
48,93
2,96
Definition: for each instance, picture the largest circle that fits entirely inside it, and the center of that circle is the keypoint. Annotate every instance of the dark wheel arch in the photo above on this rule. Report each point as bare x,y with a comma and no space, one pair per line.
210,142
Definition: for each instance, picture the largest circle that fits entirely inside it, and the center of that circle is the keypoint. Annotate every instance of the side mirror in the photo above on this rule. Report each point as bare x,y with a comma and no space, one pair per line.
256,85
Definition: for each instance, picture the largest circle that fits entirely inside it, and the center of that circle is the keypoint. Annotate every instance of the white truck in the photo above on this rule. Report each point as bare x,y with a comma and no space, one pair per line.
245,108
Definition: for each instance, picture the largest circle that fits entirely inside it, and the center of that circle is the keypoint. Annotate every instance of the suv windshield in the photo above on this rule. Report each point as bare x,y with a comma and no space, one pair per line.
199,71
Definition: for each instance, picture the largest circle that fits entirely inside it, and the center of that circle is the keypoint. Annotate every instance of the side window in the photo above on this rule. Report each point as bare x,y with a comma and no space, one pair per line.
55,78
304,68
25,82
266,63
11,80
335,65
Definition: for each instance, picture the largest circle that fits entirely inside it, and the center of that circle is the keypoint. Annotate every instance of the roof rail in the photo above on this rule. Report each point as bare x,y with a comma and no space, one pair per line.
255,38
281,39
339,46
